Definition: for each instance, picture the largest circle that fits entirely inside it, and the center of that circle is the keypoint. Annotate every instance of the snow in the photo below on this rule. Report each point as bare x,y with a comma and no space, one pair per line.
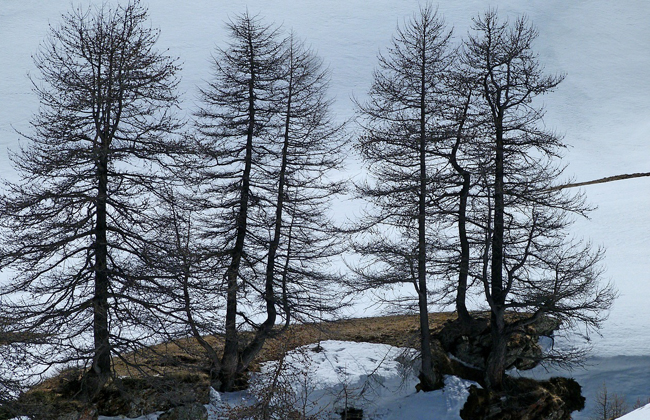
378,378
601,107
642,413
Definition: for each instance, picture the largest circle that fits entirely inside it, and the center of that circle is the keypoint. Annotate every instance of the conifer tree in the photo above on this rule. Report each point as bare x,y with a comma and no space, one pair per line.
73,226
403,126
531,266
261,186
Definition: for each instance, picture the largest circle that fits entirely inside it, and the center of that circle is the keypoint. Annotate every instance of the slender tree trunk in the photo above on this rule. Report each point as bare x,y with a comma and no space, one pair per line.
428,377
230,360
101,365
496,360
463,272
427,374
269,294
463,269
495,369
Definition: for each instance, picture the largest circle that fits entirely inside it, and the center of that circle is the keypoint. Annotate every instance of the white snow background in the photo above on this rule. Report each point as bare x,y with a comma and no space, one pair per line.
602,108
378,378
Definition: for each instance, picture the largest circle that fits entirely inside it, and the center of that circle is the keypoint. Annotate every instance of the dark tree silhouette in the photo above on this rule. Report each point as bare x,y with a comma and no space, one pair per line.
265,148
238,114
530,266
73,226
403,126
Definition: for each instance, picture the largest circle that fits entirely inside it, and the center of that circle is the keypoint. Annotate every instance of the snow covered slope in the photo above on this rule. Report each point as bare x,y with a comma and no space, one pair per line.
377,378
642,413
602,107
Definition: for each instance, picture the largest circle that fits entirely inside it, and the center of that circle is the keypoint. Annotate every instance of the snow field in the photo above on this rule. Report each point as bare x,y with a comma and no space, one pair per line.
378,378
642,413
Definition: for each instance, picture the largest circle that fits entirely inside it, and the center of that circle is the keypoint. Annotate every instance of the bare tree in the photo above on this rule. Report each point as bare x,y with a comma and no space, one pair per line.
73,226
458,191
529,265
266,146
609,406
403,127
237,114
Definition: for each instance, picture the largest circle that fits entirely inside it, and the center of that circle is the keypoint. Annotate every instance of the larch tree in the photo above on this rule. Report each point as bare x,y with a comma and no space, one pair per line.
456,195
237,114
266,144
73,226
313,151
530,264
402,132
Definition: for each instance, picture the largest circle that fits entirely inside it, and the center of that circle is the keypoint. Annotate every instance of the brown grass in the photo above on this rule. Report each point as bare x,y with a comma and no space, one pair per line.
187,356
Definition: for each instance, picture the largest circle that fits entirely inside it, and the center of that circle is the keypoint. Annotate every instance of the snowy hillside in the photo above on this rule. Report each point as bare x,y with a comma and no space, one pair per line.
642,413
601,107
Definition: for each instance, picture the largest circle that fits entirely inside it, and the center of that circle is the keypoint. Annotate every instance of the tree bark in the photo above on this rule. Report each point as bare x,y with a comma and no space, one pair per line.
496,361
463,273
428,377
495,369
230,360
101,364
463,268
265,329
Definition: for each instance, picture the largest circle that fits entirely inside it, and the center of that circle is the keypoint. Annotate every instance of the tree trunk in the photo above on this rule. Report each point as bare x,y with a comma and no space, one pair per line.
428,378
269,294
461,295
101,365
497,358
230,361
463,269
495,369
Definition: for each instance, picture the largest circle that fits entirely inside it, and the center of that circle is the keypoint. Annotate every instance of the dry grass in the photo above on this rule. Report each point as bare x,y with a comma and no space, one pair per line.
187,356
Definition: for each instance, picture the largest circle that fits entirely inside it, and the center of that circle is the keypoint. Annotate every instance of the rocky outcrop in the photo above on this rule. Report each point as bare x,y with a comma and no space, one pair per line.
525,399
134,397
186,412
471,343
57,399
462,350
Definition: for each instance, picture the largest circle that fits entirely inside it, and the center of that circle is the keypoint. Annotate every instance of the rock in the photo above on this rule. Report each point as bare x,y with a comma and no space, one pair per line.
472,343
87,414
352,414
134,397
468,343
525,399
193,411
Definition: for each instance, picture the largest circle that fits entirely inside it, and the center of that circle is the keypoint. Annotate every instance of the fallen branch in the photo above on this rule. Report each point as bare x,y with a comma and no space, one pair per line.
601,180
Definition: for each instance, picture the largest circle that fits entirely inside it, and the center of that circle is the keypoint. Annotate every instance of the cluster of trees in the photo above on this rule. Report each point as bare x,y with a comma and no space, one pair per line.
463,184
131,226
128,227
611,405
